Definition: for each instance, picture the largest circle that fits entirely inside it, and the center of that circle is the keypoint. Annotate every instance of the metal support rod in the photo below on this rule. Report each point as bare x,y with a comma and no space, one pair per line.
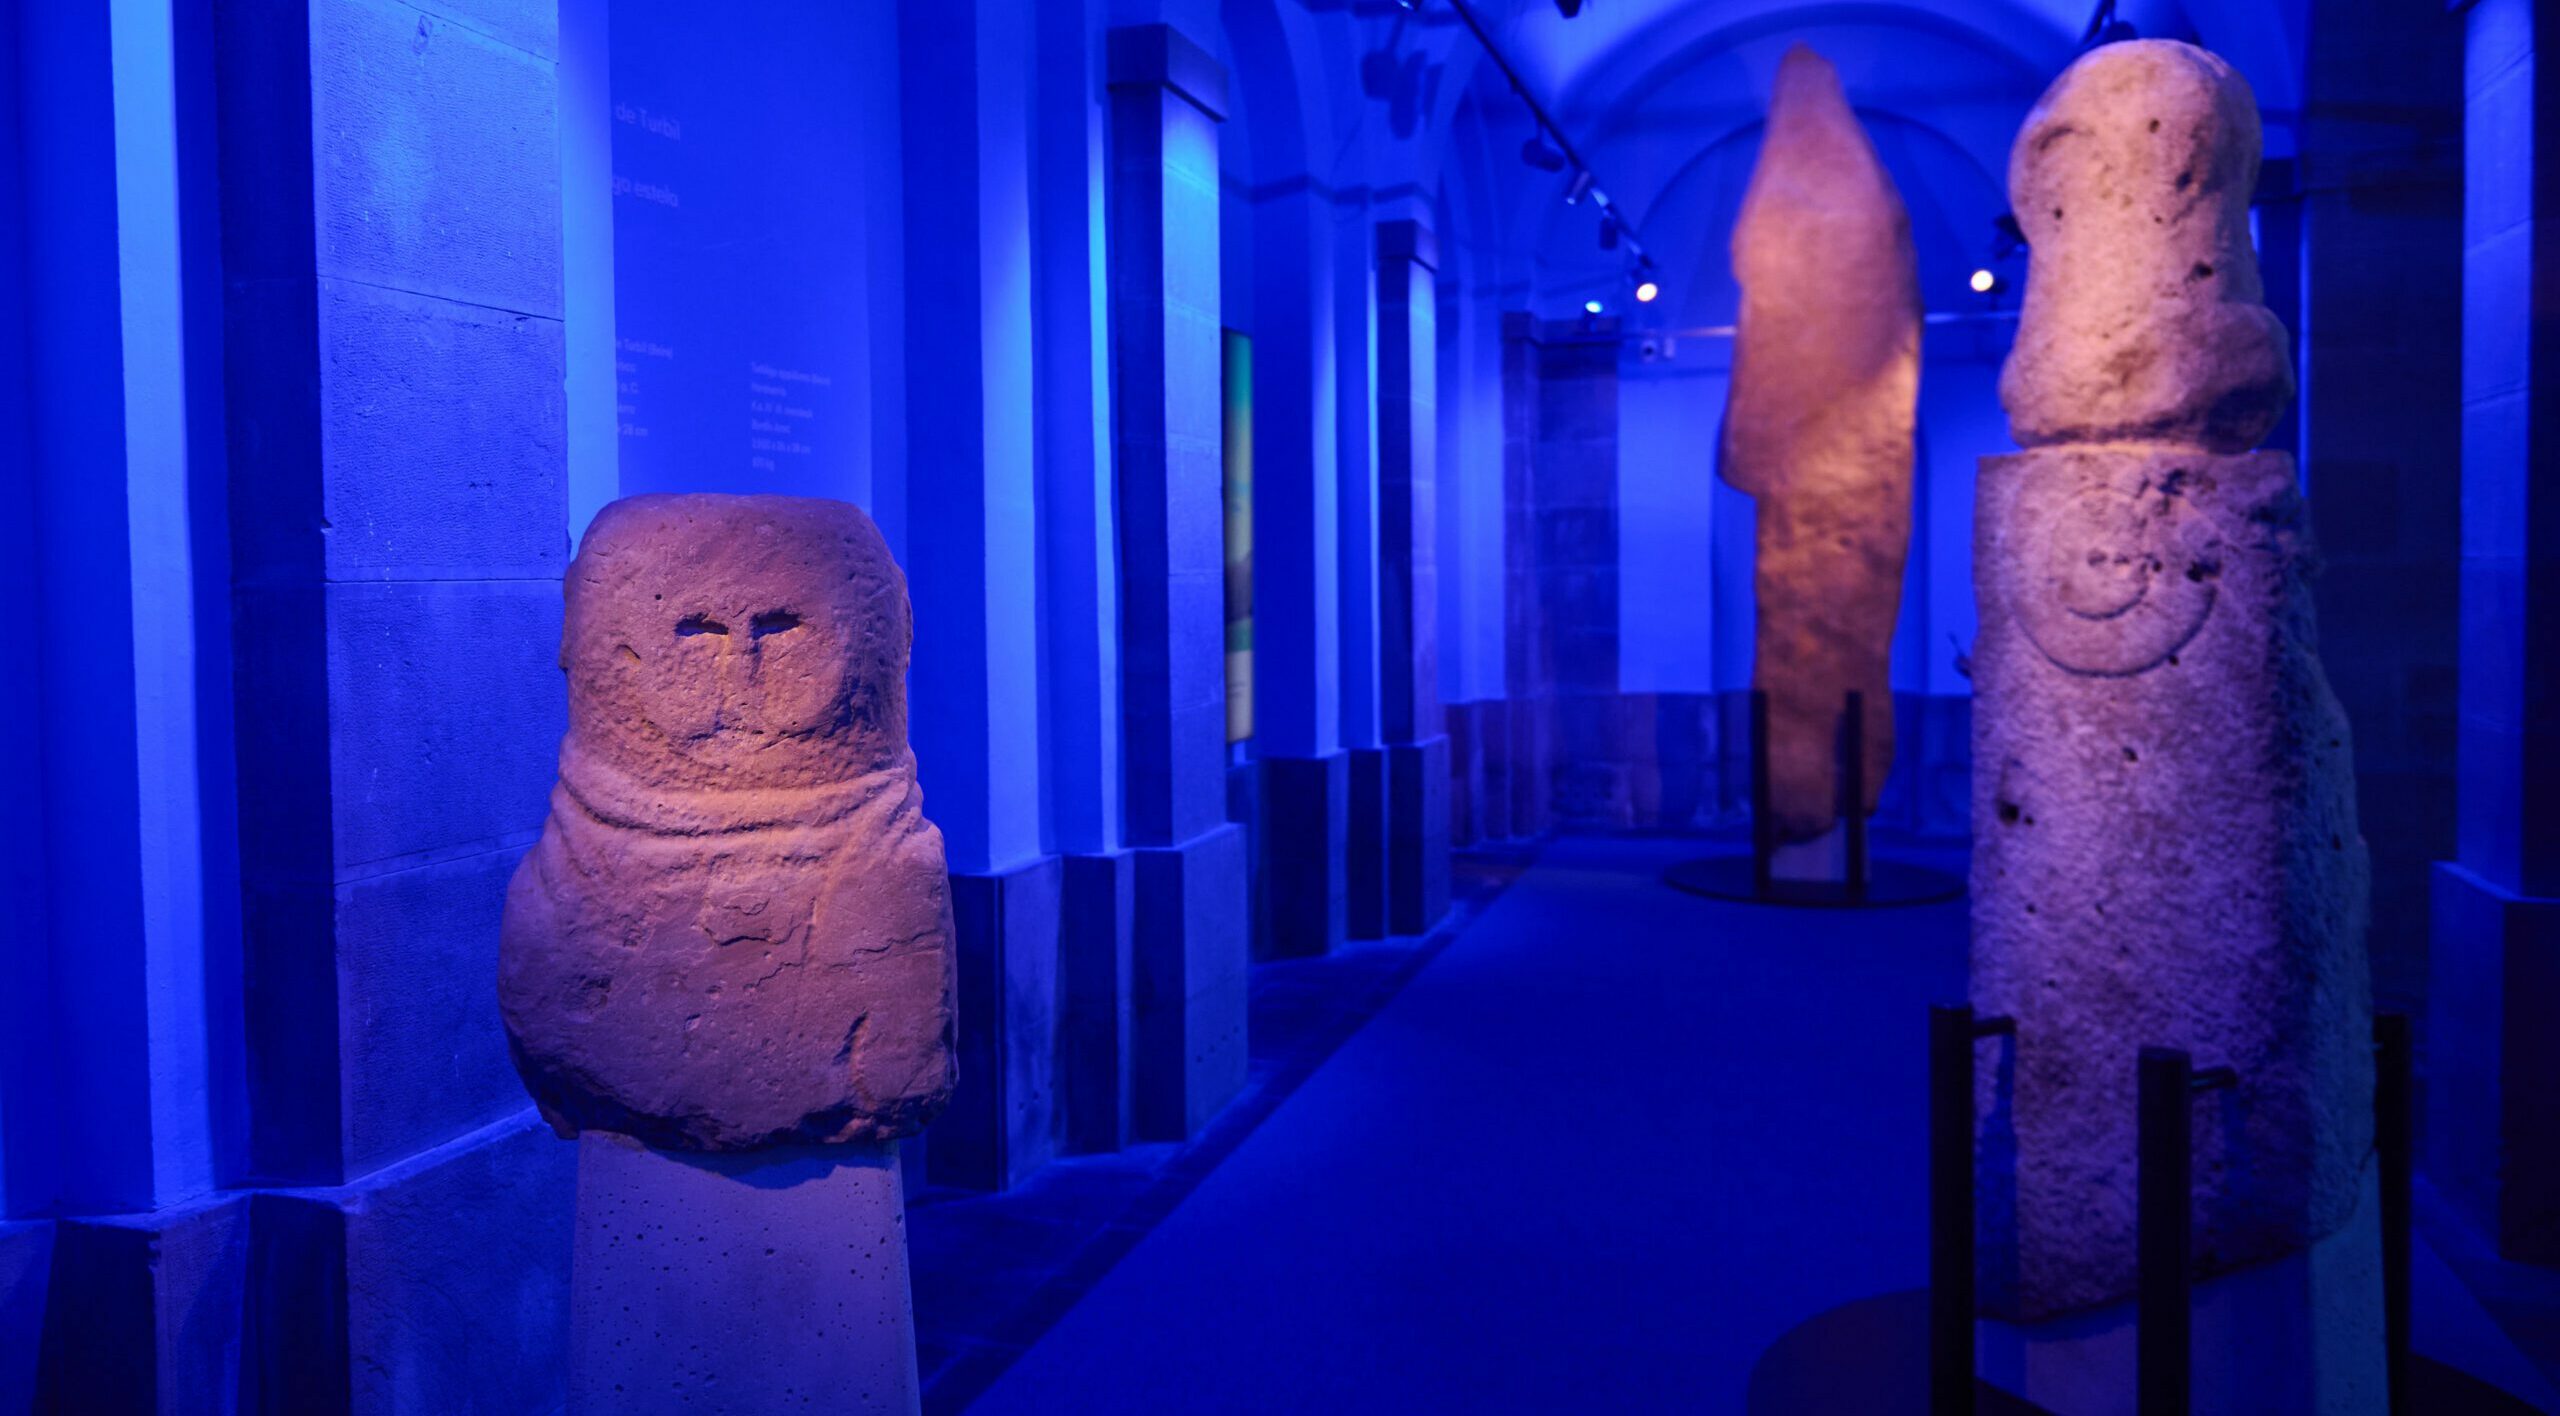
1853,792
1764,824
2163,1216
1952,1034
2392,1151
2167,1084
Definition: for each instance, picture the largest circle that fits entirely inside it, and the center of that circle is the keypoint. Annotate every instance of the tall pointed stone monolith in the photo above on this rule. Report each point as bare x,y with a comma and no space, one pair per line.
1817,429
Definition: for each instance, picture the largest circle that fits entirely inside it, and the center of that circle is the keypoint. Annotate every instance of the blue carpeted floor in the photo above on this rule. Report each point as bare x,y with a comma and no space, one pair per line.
1599,1155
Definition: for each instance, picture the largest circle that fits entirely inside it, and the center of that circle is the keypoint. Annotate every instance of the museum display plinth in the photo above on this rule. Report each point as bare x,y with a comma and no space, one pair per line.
761,1281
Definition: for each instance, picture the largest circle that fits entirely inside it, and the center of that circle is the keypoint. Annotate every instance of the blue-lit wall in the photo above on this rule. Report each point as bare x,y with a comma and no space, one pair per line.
325,328
754,168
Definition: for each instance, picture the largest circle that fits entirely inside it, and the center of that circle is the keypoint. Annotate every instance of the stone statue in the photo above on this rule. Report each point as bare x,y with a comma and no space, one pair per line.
2165,841
1826,372
735,932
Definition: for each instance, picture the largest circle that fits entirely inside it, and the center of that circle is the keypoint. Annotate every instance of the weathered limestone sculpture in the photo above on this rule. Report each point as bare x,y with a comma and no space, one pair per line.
2164,813
735,931
727,965
1817,428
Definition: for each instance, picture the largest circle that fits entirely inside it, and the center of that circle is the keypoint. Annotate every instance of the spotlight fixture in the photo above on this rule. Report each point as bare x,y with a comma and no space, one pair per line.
1581,187
1987,282
1648,285
2105,28
1569,8
2007,237
1541,154
1592,307
1647,292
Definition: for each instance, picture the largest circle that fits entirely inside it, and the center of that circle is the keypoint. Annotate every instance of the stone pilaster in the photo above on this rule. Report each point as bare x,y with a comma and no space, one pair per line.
1192,918
2493,1061
1410,714
972,559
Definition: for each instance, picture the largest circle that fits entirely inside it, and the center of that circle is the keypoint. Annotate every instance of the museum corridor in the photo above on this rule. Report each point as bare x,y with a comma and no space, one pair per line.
1279,706
1601,1153
1613,1148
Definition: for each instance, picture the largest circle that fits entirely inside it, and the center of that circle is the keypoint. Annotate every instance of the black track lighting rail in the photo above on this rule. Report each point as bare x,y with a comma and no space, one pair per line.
1585,182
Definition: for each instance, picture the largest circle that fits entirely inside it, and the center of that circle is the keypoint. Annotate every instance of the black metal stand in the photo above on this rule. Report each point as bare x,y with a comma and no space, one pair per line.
1869,881
2167,1085
1952,1033
2392,1146
2164,1226
1853,793
1764,820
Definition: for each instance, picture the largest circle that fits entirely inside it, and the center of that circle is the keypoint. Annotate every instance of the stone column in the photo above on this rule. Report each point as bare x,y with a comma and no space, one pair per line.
119,986
392,359
2166,849
1192,911
2493,1058
1519,767
1417,743
1297,628
1575,527
972,550
1355,458
1080,580
1471,558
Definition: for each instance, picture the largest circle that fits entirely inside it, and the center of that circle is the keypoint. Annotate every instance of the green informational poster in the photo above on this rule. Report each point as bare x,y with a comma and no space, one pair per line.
1237,365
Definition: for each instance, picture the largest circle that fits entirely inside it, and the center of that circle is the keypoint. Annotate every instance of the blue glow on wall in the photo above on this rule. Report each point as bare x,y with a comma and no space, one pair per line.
747,185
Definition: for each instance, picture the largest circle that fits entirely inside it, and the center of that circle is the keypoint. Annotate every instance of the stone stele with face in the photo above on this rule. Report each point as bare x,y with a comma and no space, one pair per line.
735,931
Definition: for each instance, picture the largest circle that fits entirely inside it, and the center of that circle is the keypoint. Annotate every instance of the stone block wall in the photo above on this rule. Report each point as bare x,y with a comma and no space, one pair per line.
2378,187
369,231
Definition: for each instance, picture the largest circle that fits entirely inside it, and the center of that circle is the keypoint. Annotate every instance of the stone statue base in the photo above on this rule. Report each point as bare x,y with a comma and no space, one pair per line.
757,1281
2298,1336
2165,854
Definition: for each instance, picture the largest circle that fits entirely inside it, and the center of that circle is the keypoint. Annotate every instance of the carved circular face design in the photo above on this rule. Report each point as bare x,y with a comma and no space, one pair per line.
2122,578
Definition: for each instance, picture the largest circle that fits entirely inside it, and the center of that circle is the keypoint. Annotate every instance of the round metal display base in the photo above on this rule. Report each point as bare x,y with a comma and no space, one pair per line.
1890,883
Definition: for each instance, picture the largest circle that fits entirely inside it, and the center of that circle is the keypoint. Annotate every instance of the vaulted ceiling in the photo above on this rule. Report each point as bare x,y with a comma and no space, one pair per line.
1664,98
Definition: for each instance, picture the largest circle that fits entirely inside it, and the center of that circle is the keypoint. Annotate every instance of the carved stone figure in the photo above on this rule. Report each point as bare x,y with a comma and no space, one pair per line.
735,931
1817,428
2166,848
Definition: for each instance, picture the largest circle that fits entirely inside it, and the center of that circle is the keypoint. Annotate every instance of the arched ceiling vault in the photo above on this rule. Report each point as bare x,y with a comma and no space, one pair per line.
1646,88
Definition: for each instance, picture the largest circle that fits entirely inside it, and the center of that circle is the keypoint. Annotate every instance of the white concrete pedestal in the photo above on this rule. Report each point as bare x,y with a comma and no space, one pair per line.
761,1282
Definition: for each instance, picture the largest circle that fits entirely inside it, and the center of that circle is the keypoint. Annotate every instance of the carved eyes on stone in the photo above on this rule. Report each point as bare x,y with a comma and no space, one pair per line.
771,622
